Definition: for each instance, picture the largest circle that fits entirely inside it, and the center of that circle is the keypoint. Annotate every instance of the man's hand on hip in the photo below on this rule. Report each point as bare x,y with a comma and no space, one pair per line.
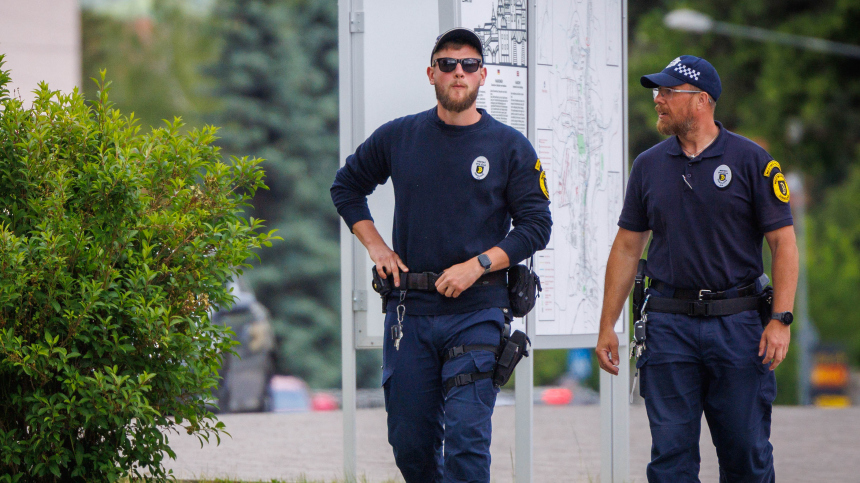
387,262
774,343
459,277
607,351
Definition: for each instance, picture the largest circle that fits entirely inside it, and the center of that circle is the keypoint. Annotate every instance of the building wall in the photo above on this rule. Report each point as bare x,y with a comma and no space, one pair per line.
41,40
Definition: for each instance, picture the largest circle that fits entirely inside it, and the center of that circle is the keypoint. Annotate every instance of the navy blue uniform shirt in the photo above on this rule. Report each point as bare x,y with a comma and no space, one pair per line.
708,234
456,191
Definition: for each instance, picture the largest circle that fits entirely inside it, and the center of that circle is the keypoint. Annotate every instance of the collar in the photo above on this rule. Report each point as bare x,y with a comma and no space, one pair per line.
717,148
436,121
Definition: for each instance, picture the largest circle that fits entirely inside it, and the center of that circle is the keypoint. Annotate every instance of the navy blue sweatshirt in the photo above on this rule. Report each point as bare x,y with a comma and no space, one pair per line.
456,191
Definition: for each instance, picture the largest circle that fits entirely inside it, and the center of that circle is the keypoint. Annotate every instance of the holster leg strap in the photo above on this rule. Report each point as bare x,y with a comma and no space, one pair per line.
464,379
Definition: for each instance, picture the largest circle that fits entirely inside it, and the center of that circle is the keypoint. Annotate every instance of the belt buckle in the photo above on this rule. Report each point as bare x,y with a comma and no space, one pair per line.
702,293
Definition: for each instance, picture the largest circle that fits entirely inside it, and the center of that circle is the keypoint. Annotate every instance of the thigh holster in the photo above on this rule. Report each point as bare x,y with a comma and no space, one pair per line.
508,354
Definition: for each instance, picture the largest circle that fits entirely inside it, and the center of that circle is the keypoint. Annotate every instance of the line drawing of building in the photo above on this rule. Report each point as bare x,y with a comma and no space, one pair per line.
504,36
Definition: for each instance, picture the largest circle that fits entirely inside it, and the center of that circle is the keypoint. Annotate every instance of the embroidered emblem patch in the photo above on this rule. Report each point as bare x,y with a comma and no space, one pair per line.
480,168
537,165
773,164
674,62
543,184
722,176
780,188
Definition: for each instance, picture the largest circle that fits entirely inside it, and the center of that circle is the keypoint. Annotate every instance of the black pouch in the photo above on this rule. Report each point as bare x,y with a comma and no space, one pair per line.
523,289
765,305
380,285
514,348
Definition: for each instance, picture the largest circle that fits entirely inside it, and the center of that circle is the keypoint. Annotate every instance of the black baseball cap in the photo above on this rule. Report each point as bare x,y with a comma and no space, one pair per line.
460,34
686,69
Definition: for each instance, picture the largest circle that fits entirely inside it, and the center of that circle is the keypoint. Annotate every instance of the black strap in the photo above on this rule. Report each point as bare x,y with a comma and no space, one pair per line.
745,290
426,281
463,379
702,308
460,350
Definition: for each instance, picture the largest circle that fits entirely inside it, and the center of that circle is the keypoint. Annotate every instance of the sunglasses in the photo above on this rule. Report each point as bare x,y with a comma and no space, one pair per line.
447,64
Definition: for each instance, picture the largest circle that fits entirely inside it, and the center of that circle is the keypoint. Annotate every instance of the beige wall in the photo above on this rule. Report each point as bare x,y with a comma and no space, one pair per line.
42,42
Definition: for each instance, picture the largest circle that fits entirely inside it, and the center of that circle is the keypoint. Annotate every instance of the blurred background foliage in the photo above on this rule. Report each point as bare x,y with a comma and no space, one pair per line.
266,71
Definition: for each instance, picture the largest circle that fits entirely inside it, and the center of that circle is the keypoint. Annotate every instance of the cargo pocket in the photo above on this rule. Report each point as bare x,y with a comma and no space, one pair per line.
472,362
640,364
389,356
767,381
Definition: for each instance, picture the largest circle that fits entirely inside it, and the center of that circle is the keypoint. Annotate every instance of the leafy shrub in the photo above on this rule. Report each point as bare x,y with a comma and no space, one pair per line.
114,246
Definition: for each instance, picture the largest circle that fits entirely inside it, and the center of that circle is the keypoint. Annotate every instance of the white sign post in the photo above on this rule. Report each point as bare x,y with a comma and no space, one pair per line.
556,72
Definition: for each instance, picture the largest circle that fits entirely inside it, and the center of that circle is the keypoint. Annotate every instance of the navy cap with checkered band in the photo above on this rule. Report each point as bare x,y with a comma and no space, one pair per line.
686,69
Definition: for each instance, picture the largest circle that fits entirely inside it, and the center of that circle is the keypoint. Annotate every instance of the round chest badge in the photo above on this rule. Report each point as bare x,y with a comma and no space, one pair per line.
780,188
480,168
722,176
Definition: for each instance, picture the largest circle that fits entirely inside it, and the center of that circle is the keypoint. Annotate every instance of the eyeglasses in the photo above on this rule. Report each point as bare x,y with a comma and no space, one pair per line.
667,93
447,64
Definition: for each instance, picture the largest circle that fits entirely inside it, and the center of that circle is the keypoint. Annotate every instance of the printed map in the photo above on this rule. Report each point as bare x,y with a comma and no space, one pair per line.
580,142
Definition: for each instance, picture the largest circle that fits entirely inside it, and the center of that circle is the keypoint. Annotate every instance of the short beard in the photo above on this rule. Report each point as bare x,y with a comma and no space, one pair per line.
679,128
455,106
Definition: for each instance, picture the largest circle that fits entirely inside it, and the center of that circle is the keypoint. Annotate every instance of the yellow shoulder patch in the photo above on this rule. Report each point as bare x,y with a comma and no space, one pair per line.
537,165
780,188
770,167
543,184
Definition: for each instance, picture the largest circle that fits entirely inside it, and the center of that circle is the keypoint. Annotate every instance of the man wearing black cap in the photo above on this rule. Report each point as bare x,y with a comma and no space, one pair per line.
460,179
709,197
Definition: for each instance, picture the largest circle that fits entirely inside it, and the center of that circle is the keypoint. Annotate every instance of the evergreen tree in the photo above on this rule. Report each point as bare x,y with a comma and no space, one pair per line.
277,77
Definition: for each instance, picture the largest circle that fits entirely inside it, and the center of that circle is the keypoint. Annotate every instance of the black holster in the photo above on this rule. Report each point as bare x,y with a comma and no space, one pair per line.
765,305
382,286
514,348
639,288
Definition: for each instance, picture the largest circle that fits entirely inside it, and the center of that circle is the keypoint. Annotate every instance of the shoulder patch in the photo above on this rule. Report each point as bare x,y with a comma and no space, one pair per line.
543,184
773,164
780,188
537,165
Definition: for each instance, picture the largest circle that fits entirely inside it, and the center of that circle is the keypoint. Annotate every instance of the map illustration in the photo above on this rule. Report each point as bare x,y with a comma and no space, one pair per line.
580,142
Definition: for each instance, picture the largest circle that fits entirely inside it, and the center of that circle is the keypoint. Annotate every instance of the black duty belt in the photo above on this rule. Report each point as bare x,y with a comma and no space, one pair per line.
426,281
703,308
705,303
703,294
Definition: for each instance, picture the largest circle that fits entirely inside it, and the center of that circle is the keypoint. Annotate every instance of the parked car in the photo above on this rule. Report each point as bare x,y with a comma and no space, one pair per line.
290,395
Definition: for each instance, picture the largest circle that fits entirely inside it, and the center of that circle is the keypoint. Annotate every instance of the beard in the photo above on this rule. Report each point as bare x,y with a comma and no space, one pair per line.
680,127
453,105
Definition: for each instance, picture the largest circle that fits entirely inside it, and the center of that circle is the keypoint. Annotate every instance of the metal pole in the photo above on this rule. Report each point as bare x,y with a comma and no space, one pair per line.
351,85
524,420
449,15
808,43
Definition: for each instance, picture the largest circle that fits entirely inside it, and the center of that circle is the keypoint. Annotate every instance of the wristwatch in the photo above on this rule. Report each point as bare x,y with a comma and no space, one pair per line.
785,317
485,262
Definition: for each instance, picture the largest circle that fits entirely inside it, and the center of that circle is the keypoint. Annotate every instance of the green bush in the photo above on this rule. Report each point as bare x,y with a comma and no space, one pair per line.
114,246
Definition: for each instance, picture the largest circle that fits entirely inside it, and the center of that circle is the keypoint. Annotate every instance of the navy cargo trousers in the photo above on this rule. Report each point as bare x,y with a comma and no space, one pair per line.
693,365
421,417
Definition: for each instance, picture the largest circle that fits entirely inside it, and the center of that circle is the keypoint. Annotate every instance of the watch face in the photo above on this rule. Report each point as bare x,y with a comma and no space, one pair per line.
788,318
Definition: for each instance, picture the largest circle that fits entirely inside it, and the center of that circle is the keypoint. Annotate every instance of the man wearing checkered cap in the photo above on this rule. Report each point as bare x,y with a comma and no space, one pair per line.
714,330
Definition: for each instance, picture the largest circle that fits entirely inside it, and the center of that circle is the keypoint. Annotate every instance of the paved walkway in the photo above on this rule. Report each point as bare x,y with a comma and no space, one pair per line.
810,445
